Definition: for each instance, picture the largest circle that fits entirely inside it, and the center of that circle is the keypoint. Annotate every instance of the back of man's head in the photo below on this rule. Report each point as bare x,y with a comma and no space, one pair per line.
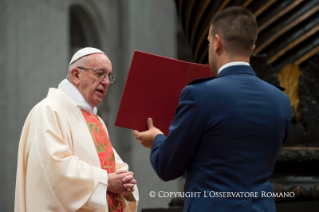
237,27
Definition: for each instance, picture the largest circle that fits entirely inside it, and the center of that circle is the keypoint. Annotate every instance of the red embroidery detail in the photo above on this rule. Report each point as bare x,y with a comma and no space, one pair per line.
106,154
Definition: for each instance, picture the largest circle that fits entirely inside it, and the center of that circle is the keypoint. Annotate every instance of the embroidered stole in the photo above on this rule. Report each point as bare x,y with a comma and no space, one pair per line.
105,151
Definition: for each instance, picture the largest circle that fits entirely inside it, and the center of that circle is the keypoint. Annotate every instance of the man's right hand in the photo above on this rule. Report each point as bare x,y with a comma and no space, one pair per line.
121,182
147,137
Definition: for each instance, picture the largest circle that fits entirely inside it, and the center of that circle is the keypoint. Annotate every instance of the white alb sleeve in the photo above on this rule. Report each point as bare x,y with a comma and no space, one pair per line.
98,197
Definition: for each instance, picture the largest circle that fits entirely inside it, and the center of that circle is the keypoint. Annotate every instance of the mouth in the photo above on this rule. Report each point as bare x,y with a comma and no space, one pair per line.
100,92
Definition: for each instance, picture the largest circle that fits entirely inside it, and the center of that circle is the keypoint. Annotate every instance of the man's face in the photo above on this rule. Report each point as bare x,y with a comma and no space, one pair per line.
211,53
91,87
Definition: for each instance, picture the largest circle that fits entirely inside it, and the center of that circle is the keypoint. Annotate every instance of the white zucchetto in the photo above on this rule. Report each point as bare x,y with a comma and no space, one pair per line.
84,52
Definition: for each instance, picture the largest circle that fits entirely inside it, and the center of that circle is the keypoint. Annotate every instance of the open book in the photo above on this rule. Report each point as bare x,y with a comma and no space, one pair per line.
152,90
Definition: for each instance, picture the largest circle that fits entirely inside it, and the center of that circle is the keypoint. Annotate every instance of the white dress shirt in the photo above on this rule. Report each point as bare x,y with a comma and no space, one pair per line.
236,63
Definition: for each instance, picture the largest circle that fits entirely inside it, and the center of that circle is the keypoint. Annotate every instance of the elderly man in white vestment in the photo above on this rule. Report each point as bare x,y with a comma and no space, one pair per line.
66,161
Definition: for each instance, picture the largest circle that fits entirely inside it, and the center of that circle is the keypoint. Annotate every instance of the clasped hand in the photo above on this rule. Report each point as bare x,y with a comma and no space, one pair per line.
121,182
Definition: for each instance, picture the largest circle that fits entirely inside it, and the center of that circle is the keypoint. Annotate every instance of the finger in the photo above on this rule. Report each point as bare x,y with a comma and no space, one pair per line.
125,193
130,173
133,181
121,171
130,182
136,134
129,187
149,123
127,179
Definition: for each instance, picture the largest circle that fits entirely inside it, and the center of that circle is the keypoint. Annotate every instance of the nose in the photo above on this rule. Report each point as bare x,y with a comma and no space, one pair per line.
105,81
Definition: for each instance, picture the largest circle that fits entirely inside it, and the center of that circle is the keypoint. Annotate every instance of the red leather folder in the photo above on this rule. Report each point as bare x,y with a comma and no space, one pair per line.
152,90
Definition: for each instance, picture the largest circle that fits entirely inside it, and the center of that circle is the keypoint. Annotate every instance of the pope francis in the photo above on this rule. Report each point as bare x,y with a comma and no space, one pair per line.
66,161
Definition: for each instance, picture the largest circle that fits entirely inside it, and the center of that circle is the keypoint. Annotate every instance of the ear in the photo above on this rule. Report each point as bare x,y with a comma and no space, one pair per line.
253,48
75,76
218,44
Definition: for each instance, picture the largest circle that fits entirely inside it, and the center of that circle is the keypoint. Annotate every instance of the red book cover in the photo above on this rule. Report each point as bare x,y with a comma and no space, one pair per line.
152,90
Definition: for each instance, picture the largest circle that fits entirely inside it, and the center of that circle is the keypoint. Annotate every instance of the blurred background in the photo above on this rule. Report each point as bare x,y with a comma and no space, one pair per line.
39,37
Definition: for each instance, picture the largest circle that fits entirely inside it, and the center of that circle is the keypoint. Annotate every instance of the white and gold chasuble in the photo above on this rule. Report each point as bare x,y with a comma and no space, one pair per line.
58,165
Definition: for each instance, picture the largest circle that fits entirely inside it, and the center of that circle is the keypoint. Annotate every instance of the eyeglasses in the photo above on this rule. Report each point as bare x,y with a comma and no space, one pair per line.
100,74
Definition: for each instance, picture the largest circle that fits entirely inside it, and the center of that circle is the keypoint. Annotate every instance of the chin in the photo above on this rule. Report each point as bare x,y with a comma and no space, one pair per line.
97,103
94,103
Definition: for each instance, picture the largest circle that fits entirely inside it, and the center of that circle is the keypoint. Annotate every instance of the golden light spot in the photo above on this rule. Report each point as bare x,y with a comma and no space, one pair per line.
289,79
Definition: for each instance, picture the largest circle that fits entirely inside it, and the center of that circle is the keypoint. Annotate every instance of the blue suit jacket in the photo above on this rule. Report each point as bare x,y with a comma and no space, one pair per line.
227,133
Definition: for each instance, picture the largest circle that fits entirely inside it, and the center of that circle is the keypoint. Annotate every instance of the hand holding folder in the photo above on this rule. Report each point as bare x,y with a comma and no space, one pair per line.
152,90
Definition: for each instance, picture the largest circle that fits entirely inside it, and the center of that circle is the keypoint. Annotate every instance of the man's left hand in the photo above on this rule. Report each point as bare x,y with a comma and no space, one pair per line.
146,138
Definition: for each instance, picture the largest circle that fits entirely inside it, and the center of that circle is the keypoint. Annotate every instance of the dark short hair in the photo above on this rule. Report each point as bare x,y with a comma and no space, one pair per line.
237,27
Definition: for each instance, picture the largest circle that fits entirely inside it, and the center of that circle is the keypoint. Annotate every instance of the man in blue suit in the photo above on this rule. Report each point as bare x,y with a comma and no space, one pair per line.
227,131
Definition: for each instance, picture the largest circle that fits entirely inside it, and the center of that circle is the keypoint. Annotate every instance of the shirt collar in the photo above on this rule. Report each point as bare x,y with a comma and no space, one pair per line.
76,95
236,63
